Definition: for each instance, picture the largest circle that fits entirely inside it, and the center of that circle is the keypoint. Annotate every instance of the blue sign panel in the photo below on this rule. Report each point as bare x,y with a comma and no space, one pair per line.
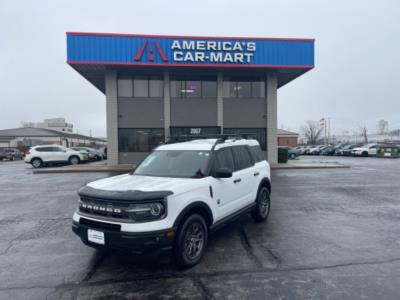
92,48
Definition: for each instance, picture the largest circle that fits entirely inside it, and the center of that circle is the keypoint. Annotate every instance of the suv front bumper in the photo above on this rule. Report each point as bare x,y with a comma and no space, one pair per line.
140,242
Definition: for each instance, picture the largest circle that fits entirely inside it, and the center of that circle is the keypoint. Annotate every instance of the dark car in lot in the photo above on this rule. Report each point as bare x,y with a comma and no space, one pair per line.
11,154
347,150
331,150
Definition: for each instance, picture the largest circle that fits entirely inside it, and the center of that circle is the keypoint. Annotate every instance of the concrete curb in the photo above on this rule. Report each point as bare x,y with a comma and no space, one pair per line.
86,169
308,166
128,168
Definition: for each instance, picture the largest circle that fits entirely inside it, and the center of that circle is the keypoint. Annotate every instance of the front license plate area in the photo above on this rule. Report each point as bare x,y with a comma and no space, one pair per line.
95,236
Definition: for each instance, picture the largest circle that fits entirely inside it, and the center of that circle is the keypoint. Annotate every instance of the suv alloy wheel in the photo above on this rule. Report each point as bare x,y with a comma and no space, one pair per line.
263,205
191,241
74,160
36,163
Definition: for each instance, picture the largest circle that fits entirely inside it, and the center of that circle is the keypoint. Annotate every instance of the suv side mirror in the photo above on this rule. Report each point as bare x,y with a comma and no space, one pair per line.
223,173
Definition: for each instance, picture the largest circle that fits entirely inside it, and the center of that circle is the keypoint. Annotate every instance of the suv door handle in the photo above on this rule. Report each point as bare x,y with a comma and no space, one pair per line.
237,180
256,174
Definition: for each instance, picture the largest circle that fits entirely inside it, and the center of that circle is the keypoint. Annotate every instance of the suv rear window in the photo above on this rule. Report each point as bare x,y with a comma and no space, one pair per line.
44,149
57,149
242,158
257,153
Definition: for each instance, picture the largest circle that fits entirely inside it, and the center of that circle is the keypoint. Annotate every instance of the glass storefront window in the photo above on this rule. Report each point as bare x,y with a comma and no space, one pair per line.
125,88
258,89
260,134
192,89
156,88
243,89
229,89
139,140
209,89
175,89
140,86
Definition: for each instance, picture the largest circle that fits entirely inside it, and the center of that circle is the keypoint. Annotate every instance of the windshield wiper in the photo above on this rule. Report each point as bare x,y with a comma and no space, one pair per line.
198,174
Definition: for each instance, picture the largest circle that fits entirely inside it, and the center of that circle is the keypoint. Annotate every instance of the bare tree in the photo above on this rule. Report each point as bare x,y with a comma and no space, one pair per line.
364,134
382,126
312,131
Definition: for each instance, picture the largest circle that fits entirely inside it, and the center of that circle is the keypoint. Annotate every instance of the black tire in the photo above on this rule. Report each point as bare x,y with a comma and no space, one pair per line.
292,156
74,160
365,154
191,241
12,158
36,163
263,205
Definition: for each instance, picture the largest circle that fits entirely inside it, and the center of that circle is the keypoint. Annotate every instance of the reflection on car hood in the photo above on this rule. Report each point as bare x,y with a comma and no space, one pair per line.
146,183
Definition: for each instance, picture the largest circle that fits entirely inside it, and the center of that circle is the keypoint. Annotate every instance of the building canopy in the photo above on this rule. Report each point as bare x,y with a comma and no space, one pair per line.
92,53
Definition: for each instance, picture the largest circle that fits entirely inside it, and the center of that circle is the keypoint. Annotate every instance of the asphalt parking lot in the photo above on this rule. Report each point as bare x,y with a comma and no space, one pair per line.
332,234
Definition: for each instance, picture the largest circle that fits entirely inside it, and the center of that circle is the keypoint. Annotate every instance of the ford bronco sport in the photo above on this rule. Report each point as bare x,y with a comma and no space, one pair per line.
178,195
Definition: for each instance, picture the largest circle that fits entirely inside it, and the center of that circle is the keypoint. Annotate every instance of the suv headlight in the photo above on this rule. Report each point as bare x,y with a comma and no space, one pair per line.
136,212
147,211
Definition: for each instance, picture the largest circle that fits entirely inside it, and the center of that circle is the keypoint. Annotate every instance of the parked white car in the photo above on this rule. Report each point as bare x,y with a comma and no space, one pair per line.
365,150
39,156
178,195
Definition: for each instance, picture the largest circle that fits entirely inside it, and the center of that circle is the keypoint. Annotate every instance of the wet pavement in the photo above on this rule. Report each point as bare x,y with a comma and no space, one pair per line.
332,234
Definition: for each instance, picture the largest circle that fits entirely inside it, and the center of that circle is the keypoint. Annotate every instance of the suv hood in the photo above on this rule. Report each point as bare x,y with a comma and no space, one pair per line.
127,182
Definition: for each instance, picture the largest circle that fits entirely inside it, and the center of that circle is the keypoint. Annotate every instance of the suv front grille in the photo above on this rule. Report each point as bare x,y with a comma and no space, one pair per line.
113,209
100,225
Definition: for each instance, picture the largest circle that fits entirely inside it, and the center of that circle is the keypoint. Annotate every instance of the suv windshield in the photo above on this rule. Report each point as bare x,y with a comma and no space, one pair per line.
174,163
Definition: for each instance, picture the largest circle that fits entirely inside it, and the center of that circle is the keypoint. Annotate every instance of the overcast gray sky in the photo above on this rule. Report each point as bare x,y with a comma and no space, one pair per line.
355,82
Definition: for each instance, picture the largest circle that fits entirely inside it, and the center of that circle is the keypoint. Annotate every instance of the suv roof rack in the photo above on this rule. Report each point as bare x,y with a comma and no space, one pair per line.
219,137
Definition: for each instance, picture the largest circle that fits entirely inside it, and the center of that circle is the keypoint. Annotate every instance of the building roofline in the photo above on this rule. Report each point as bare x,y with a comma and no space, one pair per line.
283,132
190,65
59,133
190,36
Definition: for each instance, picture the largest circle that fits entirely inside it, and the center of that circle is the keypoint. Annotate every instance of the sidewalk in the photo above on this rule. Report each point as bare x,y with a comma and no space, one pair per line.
301,164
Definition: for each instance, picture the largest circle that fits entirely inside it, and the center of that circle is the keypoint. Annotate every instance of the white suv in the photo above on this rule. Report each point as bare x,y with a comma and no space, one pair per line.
365,150
39,156
178,195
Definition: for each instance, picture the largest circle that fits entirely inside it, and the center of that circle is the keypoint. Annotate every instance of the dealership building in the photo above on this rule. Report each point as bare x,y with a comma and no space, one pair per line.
158,87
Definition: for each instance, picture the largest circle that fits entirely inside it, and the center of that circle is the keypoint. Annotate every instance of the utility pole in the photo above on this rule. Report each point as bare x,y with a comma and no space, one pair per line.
329,130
